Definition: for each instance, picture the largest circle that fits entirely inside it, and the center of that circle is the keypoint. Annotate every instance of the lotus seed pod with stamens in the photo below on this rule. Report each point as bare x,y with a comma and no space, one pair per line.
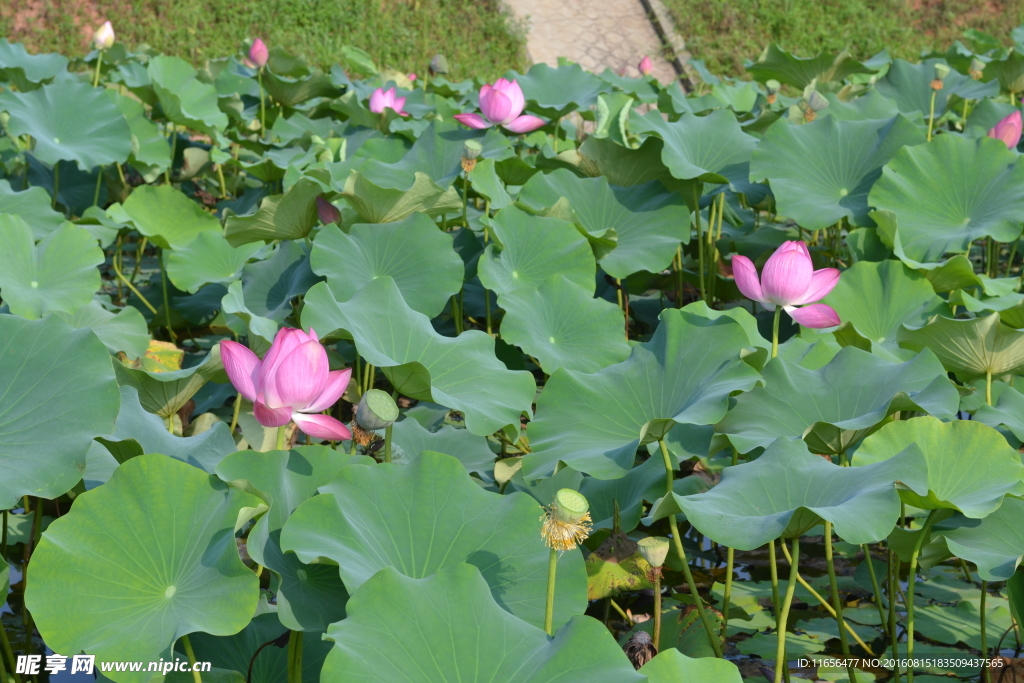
571,506
377,410
654,549
471,149
941,71
566,520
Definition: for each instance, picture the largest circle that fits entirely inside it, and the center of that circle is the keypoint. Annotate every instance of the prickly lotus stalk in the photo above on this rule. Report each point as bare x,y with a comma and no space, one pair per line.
654,549
566,521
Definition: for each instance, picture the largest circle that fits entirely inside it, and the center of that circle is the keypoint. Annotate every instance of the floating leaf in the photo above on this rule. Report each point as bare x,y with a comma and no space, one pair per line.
184,98
684,375
208,259
167,216
57,391
815,405
649,222
750,507
563,326
970,466
148,571
461,373
971,348
423,517
393,620
960,623
58,274
938,209
413,252
822,171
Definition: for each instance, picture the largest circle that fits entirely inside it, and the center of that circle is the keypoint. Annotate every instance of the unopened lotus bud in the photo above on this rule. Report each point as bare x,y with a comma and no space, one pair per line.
328,212
377,410
258,53
976,69
103,39
646,66
438,64
654,549
566,520
411,77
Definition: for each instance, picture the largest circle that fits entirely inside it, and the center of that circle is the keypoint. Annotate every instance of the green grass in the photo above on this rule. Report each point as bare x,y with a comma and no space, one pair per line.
725,32
475,36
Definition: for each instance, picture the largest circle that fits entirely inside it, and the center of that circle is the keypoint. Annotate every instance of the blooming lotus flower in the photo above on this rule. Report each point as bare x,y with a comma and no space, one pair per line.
1008,130
258,53
646,66
292,383
382,99
502,104
789,280
104,36
328,212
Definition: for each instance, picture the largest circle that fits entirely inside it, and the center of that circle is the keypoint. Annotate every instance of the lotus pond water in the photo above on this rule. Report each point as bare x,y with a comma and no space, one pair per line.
572,377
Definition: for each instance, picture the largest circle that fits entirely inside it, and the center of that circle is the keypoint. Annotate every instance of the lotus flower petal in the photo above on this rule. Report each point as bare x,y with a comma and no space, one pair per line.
271,417
327,212
787,275
472,120
822,282
378,100
815,316
103,39
337,382
1008,130
285,341
514,93
646,66
525,124
496,106
745,273
242,366
322,427
299,378
258,53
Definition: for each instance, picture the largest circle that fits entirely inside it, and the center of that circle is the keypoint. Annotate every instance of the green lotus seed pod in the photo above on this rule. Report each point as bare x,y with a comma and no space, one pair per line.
654,549
816,102
772,85
977,66
570,506
376,410
471,149
941,71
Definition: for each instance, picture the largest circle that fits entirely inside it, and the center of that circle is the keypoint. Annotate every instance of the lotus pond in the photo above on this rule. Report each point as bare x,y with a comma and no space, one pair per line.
356,376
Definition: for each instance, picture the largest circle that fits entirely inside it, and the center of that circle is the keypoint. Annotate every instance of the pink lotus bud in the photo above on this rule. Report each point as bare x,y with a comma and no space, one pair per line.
501,104
789,280
104,36
411,77
1008,130
258,53
293,383
328,212
646,66
387,99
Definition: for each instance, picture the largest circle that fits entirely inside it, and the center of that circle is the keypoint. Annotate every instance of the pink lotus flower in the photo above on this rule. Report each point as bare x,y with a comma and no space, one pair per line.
103,39
789,280
387,99
258,54
328,212
411,77
502,104
292,383
646,66
1008,130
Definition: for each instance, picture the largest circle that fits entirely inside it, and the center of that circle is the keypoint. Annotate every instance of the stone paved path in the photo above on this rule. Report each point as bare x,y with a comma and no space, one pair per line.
595,34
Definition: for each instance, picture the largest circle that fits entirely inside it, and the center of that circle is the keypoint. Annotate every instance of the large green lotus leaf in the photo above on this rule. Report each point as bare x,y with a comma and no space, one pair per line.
871,105
530,249
122,331
1009,72
169,218
184,98
623,166
645,482
776,63
941,209
488,185
1008,412
820,407
822,171
970,466
383,197
69,121
711,148
137,432
270,286
557,91
288,216
26,71
208,259
57,391
58,274
877,297
970,348
461,373
413,252
563,326
165,393
468,448
672,666
995,544
428,515
291,91
958,273
649,222
259,329
787,491
684,375
156,559
392,634
149,145
34,206
233,653
310,596
909,85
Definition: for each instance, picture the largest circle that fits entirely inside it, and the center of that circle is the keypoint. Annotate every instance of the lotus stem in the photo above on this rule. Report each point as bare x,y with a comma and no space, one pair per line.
387,443
234,414
167,304
56,185
140,250
657,611
223,185
679,275
730,558
465,199
773,566
3,535
781,663
281,433
549,604
988,387
136,292
984,638
96,193
893,576
910,591
931,114
191,658
1009,259
295,657
96,76
9,654
677,541
263,103
836,603
875,586
174,150
775,331
700,241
